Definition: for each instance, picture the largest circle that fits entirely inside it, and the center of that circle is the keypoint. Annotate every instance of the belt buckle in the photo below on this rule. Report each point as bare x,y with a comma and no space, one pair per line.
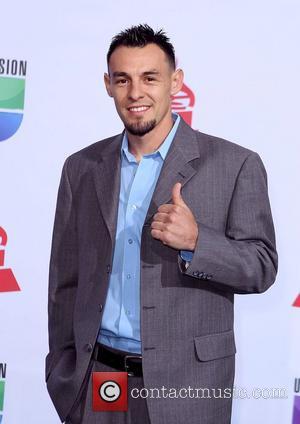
125,363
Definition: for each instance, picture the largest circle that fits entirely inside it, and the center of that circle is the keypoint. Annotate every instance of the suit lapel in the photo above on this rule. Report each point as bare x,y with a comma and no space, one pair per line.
177,167
107,174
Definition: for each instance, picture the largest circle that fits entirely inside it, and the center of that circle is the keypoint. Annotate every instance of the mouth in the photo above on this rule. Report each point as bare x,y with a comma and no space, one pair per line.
138,110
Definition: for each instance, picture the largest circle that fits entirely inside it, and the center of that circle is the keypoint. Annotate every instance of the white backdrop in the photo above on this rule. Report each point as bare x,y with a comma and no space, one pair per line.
241,61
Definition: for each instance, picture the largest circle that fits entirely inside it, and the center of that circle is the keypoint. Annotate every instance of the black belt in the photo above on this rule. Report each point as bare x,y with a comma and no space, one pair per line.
119,359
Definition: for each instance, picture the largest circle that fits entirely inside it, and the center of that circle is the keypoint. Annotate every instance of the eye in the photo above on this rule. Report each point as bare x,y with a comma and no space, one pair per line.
121,81
150,79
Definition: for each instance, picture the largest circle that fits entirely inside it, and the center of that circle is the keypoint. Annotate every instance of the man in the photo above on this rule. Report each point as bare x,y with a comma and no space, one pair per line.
155,231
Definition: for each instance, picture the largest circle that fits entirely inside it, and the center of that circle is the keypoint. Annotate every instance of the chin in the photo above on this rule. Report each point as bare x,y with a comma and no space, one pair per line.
140,128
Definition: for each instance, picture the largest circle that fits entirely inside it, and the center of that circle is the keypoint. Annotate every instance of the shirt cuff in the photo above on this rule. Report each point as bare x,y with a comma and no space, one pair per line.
186,255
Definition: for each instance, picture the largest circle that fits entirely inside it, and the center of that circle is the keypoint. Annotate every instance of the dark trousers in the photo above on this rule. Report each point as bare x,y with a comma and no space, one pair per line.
82,412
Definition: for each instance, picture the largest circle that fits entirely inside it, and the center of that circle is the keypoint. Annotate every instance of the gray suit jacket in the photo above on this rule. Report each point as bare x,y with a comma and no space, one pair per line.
186,316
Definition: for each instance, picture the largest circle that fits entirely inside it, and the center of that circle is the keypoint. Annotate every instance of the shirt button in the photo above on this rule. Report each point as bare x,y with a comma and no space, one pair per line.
130,241
134,206
127,312
128,276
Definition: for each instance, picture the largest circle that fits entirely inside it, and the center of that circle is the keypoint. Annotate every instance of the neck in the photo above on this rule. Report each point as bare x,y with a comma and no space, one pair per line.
148,143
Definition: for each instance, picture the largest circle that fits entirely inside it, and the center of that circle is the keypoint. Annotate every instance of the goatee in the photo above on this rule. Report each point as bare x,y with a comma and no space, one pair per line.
140,128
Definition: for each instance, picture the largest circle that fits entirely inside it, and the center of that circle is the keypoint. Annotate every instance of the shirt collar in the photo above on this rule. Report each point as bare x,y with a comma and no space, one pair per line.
164,147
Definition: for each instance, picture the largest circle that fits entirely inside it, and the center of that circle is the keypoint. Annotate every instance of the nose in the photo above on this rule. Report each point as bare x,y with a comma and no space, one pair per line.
135,91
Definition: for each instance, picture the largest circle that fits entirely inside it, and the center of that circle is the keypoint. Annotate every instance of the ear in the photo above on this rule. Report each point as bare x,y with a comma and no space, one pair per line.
177,81
107,84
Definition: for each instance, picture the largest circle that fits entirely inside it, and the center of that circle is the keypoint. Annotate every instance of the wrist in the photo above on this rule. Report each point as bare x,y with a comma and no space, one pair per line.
193,242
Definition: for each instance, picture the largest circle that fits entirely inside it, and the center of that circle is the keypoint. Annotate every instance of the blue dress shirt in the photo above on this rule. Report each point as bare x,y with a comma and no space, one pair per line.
120,326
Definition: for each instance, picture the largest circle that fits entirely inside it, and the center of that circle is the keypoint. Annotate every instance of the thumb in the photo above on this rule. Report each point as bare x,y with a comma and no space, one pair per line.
176,195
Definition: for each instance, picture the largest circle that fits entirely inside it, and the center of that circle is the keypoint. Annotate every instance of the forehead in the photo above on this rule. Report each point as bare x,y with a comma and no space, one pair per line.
138,59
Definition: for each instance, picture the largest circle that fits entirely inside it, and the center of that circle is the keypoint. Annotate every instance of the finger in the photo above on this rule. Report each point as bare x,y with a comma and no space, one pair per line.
161,216
160,235
157,234
176,195
157,225
166,208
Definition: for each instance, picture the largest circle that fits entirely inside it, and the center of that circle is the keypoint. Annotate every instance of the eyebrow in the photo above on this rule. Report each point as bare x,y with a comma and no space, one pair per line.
124,74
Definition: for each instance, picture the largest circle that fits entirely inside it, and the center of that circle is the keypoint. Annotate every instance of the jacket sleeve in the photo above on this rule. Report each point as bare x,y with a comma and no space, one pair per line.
62,274
244,258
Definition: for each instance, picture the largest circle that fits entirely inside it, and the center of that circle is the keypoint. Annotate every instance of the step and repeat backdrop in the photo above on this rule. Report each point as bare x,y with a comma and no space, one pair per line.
241,67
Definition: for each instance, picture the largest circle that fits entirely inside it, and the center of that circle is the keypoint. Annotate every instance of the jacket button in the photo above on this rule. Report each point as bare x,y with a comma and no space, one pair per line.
88,347
108,268
100,307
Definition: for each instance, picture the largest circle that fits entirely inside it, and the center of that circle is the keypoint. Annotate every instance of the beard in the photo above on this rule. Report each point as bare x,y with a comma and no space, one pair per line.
140,128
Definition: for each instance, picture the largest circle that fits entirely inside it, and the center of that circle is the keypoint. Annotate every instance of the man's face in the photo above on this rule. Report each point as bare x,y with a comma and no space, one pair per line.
141,82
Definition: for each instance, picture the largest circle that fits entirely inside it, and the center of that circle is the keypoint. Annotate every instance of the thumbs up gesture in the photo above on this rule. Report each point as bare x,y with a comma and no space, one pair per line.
174,224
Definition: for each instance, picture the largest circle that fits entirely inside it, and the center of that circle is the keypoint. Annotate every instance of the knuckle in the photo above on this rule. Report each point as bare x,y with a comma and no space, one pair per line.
167,228
158,216
172,218
166,238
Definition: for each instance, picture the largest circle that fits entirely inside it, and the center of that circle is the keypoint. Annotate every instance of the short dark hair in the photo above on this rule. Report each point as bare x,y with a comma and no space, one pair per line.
140,36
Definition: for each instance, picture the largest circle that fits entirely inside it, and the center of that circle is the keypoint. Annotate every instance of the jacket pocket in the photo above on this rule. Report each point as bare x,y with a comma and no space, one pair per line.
215,346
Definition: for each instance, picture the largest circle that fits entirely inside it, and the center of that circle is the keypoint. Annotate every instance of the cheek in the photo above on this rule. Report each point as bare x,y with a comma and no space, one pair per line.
118,107
119,93
164,99
119,99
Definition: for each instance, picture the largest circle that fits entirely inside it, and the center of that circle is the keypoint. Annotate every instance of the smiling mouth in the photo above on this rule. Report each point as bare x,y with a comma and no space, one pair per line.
138,109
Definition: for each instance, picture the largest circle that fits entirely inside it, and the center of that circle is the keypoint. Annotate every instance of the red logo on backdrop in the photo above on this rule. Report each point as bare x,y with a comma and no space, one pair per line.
110,391
183,102
297,301
7,279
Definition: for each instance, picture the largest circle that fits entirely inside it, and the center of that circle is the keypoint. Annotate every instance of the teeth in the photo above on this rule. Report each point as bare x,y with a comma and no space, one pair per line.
139,109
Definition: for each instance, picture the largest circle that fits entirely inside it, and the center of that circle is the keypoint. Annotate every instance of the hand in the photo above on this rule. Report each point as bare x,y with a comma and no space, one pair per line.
174,224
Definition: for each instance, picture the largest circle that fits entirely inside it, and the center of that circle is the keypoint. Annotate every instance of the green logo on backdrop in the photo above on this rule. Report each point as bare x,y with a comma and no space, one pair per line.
12,94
